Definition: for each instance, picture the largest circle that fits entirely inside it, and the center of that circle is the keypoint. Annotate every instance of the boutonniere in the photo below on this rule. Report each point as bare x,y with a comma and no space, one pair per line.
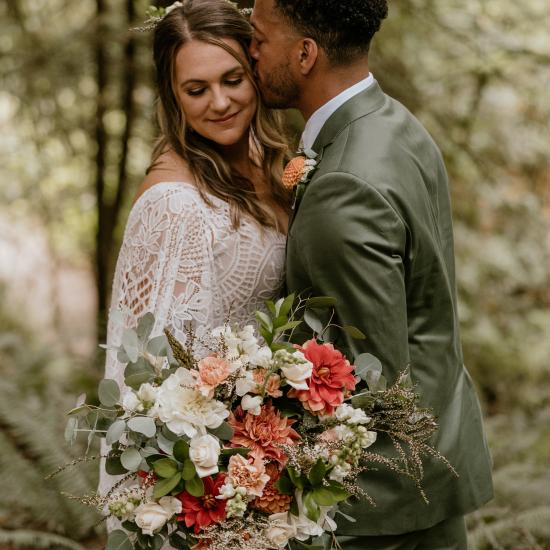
299,169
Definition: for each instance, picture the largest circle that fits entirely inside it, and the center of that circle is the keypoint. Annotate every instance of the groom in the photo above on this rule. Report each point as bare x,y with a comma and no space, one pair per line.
373,229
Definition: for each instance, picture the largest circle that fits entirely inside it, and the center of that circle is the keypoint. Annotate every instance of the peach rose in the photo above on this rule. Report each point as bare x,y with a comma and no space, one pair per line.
273,384
212,372
248,473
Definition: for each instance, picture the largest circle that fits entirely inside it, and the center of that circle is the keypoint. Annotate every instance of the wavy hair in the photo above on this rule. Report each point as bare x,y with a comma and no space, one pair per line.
212,21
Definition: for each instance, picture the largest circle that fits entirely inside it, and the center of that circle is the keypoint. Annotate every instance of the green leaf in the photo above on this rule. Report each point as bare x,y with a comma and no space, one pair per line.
266,335
164,486
189,470
365,363
158,346
321,301
323,496
157,542
115,431
338,491
145,326
165,467
131,459
284,486
82,410
71,430
297,479
108,392
165,444
354,332
130,526
271,308
279,322
177,541
144,425
181,450
195,487
311,506
114,467
311,319
317,473
130,343
118,540
288,326
264,320
224,431
286,306
137,373
309,546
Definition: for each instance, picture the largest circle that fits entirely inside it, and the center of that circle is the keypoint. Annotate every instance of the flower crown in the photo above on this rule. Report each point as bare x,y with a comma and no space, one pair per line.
156,14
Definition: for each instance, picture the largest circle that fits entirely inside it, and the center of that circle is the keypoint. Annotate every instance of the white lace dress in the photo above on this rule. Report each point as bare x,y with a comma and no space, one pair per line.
182,260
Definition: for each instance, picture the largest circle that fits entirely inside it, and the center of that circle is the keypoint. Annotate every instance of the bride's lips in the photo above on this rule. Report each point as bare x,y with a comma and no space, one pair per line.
225,119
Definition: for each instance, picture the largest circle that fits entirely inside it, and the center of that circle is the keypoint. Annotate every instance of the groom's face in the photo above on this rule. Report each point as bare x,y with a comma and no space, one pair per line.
272,48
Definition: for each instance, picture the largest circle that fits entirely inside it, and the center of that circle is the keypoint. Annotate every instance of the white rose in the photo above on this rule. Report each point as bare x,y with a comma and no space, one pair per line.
150,517
204,452
171,505
252,404
296,375
280,530
351,414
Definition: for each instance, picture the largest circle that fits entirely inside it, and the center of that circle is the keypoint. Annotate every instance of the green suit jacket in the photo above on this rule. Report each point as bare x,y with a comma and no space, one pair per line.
373,229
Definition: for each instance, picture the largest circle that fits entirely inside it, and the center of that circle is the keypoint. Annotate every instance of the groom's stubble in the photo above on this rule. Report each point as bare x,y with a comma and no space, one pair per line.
278,88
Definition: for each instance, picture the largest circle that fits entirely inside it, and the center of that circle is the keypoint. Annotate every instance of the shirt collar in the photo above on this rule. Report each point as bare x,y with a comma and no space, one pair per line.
317,120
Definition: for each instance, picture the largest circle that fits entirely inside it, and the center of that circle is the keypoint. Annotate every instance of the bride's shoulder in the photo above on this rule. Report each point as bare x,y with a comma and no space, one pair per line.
169,174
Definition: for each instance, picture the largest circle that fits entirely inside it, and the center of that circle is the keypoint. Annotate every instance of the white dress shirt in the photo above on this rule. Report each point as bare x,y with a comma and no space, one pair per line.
317,120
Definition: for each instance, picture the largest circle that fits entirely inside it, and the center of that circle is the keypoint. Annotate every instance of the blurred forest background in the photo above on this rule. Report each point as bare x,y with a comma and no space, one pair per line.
77,104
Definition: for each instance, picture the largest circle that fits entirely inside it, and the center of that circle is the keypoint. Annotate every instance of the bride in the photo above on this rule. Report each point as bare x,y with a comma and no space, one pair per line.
205,238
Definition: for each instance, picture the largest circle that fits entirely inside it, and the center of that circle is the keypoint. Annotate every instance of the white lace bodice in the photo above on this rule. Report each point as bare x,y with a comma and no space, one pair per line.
182,260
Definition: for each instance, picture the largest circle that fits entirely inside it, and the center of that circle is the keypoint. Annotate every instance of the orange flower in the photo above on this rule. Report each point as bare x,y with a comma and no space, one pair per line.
332,375
271,501
293,172
273,384
247,473
212,372
263,434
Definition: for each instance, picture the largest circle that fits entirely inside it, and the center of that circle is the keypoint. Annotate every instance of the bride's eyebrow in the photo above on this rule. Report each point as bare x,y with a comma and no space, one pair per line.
235,69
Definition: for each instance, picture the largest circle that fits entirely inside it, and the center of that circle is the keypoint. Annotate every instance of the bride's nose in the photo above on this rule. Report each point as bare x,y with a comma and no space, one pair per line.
220,100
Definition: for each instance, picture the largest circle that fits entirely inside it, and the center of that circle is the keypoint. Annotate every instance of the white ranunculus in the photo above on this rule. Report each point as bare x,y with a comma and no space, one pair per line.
368,439
204,452
152,516
147,393
131,402
296,375
280,530
226,491
252,404
245,383
262,357
344,433
185,410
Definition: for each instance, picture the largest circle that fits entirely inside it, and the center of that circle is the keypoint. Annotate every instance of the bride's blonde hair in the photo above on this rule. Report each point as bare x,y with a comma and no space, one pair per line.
211,21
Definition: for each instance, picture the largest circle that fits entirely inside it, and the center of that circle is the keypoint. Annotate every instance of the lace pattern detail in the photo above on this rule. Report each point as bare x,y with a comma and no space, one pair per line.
182,260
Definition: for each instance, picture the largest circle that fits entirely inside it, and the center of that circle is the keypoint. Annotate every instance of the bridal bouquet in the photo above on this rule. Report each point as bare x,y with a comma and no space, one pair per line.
251,445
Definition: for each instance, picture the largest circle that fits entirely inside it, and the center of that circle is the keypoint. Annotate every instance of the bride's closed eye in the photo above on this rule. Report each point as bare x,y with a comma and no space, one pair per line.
229,82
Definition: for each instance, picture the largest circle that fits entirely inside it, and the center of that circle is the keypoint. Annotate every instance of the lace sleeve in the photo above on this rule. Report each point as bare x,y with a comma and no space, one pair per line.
164,267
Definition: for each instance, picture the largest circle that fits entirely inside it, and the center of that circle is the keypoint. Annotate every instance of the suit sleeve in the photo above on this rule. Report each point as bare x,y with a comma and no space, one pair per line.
351,244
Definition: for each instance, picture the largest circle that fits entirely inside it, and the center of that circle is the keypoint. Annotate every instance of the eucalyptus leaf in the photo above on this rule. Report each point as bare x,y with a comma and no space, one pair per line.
365,363
108,392
157,542
131,459
144,425
165,444
145,326
158,346
122,357
130,343
115,431
118,540
195,487
178,541
71,430
224,431
138,373
311,319
83,410
164,486
114,467
354,332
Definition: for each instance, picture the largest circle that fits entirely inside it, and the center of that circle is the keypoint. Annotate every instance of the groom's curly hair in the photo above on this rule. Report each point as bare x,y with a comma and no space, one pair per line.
343,28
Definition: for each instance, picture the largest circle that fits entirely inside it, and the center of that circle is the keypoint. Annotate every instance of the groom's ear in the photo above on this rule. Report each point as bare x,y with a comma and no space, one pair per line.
308,54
